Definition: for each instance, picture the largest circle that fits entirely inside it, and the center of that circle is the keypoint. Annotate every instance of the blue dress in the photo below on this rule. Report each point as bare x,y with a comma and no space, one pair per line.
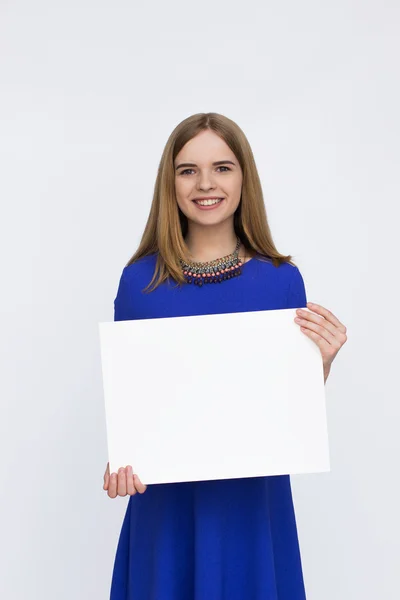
233,539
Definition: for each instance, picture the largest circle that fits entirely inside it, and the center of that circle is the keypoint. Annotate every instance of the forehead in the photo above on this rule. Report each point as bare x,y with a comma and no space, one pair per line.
205,147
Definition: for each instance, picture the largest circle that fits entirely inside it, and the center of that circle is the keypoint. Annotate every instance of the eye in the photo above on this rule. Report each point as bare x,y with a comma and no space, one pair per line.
221,167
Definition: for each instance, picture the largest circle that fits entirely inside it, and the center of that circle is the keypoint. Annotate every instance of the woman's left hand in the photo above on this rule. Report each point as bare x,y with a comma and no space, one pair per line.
326,331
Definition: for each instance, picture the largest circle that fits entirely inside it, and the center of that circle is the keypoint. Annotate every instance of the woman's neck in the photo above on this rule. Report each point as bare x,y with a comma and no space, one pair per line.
206,243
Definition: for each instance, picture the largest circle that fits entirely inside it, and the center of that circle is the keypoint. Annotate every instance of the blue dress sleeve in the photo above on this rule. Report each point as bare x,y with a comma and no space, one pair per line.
122,302
297,297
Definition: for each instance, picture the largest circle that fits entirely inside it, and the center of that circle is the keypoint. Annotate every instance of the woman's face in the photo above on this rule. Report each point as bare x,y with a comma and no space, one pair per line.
198,176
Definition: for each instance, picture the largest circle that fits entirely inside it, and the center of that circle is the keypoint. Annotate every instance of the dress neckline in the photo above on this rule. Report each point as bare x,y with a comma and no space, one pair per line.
253,259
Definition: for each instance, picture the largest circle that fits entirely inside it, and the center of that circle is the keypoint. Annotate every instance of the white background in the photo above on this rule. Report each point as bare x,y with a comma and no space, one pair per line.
89,93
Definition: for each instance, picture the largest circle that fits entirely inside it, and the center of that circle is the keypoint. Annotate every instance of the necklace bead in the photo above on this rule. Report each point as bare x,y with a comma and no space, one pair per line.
214,271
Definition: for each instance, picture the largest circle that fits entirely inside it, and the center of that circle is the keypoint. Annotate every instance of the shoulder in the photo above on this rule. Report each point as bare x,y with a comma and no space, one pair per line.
285,271
286,279
290,272
141,271
133,279
142,264
138,274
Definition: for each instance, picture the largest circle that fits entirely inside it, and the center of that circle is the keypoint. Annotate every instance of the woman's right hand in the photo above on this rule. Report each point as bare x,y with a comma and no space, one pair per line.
122,484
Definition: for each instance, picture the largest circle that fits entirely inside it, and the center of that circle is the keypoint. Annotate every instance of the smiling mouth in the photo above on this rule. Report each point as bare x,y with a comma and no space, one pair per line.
210,202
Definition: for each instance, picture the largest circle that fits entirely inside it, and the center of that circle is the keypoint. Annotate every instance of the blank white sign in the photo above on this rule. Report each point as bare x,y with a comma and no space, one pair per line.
214,397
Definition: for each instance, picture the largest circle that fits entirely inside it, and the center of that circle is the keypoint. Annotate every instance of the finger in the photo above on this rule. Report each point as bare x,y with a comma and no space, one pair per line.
321,342
106,477
317,324
307,315
130,486
121,482
141,488
329,316
321,330
112,487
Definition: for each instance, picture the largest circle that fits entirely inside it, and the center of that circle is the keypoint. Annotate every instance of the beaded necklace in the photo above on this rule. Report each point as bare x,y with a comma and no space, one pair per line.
214,271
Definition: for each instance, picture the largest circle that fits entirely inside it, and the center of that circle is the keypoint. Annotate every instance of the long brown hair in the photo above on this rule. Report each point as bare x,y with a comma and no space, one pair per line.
167,226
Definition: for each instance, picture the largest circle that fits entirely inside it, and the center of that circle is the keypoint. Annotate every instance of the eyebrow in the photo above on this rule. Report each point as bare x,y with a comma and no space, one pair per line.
218,162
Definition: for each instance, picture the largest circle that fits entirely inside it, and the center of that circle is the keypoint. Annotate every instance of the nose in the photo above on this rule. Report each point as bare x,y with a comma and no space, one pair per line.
205,181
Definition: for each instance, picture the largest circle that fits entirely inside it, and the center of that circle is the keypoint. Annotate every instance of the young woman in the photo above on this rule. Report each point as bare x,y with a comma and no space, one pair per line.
207,248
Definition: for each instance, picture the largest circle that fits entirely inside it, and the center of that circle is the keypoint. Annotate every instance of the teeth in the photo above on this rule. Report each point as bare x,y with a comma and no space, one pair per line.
208,202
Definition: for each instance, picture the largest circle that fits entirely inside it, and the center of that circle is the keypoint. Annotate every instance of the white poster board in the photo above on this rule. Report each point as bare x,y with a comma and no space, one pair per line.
213,397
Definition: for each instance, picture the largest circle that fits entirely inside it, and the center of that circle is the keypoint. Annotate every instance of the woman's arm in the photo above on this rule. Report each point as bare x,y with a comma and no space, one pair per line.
318,323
